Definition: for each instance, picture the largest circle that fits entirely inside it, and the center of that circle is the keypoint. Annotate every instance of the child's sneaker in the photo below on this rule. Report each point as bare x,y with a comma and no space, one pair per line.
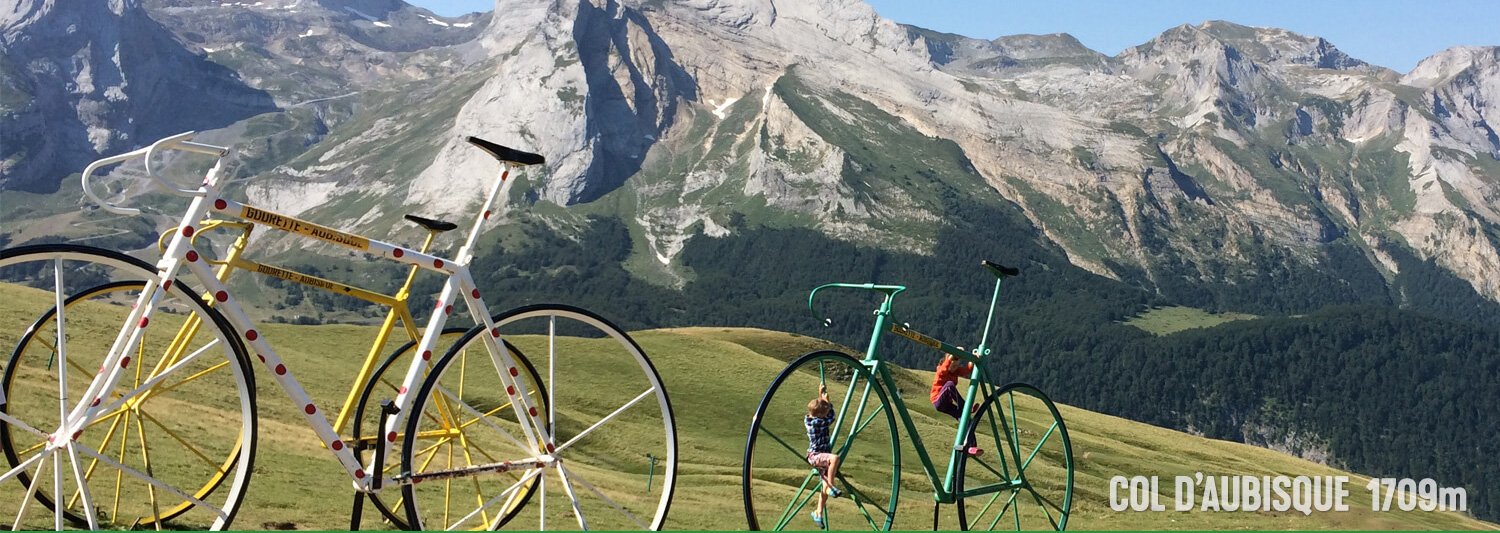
835,492
975,451
818,520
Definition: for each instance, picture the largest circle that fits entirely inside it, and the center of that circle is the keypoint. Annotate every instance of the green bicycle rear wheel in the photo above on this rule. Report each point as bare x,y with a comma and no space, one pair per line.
1024,477
779,486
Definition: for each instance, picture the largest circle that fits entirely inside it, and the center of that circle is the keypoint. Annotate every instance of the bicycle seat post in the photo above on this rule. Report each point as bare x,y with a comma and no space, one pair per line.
989,320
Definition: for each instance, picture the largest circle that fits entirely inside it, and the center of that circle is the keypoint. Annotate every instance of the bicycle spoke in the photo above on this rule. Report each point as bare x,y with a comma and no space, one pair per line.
1016,515
491,502
568,488
478,493
1038,447
481,417
94,463
1048,501
859,496
1043,507
581,481
800,456
31,490
986,507
182,441
152,481
158,391
83,489
990,468
607,418
157,379
867,421
20,467
146,462
5,417
794,508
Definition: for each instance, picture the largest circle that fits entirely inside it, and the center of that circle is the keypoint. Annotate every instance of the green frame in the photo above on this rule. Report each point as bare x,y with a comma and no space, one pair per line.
979,381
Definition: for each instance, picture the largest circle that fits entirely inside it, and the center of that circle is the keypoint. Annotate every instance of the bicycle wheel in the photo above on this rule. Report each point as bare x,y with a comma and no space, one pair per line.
1024,479
605,406
385,383
778,484
178,425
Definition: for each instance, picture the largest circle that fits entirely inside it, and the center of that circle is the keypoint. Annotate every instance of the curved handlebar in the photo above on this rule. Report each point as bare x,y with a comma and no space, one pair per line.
180,142
888,290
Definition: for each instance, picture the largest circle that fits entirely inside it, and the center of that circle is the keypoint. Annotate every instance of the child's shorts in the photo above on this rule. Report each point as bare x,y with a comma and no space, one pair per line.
821,460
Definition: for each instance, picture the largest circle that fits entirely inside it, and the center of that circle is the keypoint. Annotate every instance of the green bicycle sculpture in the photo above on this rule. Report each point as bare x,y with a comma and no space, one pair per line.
1025,480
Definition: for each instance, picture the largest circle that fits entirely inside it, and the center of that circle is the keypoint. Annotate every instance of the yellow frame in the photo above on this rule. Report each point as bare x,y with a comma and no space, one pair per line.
234,260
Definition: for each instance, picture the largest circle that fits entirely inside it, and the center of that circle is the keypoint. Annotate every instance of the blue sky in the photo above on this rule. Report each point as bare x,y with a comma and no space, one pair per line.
1389,33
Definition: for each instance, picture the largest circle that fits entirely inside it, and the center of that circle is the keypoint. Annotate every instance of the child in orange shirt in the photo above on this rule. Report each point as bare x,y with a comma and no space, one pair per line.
945,396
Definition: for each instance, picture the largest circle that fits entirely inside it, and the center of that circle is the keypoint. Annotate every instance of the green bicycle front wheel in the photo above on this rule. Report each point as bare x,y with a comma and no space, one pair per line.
1024,477
781,488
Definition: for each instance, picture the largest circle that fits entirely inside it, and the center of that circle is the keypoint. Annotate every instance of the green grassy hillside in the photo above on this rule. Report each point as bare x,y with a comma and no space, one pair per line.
715,377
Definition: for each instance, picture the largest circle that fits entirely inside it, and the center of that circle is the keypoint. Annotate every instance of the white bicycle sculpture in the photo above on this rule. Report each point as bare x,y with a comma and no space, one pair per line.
165,431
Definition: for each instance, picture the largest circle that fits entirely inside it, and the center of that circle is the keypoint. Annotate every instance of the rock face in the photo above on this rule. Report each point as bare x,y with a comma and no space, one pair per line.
1212,154
90,77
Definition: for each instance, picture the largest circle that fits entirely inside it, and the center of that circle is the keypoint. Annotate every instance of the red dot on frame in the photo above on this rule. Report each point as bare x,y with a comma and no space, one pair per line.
251,334
310,409
510,390
398,252
125,362
95,404
187,231
495,333
486,215
262,357
221,296
448,310
390,436
437,263
280,370
166,285
337,445
427,355
402,390
359,474
144,321
531,411
221,204
514,372
192,256
551,448
474,293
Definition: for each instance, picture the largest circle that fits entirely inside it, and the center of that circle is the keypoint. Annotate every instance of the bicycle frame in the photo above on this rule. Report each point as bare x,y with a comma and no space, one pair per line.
180,253
979,382
396,303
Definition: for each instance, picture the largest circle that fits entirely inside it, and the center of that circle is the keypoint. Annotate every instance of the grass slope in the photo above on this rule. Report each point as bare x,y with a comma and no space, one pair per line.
715,377
1172,319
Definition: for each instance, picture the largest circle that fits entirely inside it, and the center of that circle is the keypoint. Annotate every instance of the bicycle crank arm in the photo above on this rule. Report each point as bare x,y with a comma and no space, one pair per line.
540,461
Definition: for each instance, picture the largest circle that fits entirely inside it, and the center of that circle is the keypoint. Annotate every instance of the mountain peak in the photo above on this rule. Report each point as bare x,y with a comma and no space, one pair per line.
1446,64
1049,46
1264,45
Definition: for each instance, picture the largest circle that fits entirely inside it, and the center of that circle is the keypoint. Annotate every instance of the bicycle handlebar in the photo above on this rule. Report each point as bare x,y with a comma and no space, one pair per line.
888,290
180,142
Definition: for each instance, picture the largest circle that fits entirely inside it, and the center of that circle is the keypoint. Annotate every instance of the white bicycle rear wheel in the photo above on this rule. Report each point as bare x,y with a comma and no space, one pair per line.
611,462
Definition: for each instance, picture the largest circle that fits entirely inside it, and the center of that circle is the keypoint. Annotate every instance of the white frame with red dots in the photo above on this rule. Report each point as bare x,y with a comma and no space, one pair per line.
180,253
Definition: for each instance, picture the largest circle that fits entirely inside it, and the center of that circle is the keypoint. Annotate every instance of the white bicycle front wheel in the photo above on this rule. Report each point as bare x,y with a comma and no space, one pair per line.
172,444
610,461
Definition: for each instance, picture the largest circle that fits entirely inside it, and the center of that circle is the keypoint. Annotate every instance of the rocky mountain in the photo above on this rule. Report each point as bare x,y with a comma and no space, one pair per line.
1203,158
81,79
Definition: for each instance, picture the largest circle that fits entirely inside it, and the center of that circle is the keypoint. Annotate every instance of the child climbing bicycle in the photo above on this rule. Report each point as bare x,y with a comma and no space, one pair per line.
945,396
819,450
